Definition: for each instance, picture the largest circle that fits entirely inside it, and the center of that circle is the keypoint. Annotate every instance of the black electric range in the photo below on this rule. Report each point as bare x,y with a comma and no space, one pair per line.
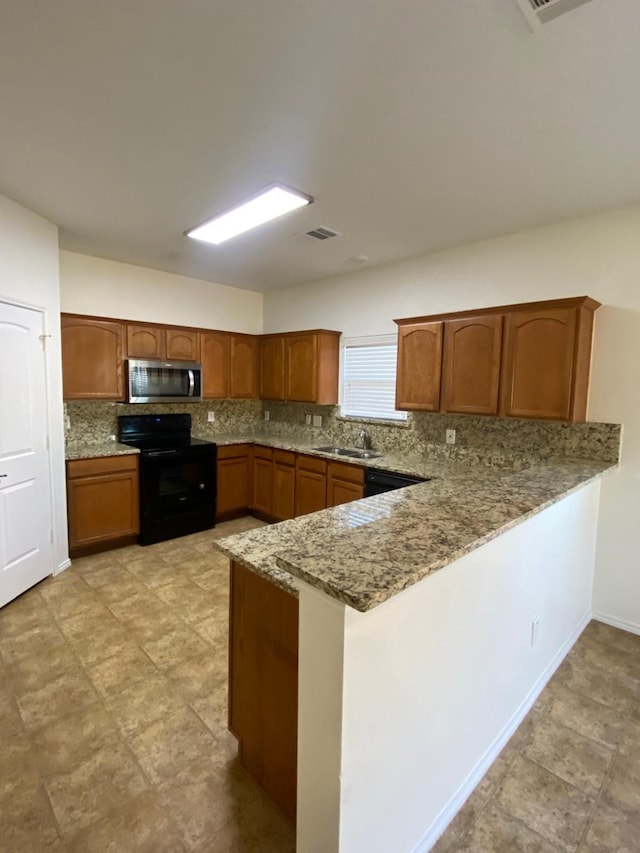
177,475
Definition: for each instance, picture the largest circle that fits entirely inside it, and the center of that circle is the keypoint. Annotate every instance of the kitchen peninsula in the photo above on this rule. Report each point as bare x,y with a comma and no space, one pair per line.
429,620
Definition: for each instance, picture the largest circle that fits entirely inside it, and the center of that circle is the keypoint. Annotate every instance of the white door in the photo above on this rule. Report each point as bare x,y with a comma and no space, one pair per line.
26,550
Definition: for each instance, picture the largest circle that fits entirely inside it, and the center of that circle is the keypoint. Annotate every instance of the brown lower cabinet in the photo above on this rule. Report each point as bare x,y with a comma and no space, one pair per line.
311,484
263,683
344,483
276,485
102,502
234,481
283,485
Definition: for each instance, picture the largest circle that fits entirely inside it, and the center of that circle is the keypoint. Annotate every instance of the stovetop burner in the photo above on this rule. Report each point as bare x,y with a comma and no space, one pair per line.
157,432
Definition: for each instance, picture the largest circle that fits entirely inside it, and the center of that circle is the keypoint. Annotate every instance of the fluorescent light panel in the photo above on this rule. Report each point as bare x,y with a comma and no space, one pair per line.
272,202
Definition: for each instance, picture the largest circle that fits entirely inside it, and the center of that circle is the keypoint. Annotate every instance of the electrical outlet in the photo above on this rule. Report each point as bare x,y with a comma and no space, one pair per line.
450,436
307,420
535,630
211,416
317,420
266,415
67,423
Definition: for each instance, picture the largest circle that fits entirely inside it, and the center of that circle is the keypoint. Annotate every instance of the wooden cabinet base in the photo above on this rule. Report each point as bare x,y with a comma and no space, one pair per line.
263,684
98,547
103,503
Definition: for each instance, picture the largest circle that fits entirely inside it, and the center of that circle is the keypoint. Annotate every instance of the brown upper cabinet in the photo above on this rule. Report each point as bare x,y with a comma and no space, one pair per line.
300,366
243,362
163,342
297,366
272,355
524,361
547,355
215,357
419,365
229,365
92,351
182,344
471,365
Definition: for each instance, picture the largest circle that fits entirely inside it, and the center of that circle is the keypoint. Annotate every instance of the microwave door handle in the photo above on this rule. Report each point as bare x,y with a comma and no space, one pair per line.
192,383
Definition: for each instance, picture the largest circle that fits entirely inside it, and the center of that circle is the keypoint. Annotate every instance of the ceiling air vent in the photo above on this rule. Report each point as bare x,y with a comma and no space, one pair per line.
321,233
538,12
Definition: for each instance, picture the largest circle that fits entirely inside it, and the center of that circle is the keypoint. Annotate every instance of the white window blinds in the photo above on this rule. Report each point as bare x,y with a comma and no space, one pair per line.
369,378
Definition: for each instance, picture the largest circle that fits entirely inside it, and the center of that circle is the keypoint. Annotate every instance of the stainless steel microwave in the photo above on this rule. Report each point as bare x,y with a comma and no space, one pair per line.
163,381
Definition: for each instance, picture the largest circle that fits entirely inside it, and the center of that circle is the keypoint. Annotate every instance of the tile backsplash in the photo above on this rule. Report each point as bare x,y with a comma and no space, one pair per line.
94,422
494,441
498,442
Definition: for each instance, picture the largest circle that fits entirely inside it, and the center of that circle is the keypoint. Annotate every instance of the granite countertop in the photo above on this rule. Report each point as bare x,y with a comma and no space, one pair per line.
364,552
91,451
406,463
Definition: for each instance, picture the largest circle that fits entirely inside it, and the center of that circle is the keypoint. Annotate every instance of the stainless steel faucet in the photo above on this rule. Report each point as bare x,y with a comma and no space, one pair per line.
365,439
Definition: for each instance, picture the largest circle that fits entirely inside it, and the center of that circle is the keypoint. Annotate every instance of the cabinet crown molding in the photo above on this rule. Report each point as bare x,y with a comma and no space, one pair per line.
569,302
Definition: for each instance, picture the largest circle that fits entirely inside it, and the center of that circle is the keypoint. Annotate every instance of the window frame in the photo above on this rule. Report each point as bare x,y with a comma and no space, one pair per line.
400,417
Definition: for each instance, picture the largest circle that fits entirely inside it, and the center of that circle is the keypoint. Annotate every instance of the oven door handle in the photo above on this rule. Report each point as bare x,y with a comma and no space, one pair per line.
161,452
192,383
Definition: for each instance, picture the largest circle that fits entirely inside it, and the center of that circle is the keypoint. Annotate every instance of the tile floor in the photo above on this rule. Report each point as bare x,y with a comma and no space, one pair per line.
113,726
113,710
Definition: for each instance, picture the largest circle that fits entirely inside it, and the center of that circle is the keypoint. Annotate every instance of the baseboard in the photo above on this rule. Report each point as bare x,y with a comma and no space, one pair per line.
465,790
62,566
632,627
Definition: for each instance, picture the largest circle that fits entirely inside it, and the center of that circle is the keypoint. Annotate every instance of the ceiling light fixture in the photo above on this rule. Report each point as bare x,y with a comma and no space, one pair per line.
269,203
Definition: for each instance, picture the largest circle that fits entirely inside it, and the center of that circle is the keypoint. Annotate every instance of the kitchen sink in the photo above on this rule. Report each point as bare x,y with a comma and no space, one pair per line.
354,453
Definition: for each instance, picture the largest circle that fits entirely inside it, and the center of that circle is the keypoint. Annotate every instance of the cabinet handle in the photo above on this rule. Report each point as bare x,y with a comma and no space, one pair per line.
3,475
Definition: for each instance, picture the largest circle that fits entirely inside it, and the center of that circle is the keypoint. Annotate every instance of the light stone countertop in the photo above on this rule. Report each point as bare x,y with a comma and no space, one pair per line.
364,552
93,451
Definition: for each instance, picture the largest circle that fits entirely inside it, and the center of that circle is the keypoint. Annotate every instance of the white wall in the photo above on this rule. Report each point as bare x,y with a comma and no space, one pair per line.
105,288
433,682
598,256
29,276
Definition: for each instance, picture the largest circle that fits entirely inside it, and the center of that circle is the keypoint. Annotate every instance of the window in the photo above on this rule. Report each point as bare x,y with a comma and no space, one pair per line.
369,378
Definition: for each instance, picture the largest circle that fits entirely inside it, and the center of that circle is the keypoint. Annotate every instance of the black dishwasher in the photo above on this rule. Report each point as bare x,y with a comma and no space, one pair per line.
377,481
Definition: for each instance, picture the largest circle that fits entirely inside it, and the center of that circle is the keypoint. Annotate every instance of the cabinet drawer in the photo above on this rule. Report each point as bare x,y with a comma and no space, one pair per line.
101,465
350,473
261,452
233,451
311,463
284,457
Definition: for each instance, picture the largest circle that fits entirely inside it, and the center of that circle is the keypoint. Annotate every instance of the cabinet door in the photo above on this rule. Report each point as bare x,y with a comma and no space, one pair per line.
538,363
272,351
182,345
233,480
243,358
471,365
311,491
103,503
92,367
344,483
262,480
214,355
419,366
283,500
302,368
263,684
145,341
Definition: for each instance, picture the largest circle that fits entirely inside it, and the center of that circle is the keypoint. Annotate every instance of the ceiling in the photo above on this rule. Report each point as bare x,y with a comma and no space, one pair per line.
415,125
